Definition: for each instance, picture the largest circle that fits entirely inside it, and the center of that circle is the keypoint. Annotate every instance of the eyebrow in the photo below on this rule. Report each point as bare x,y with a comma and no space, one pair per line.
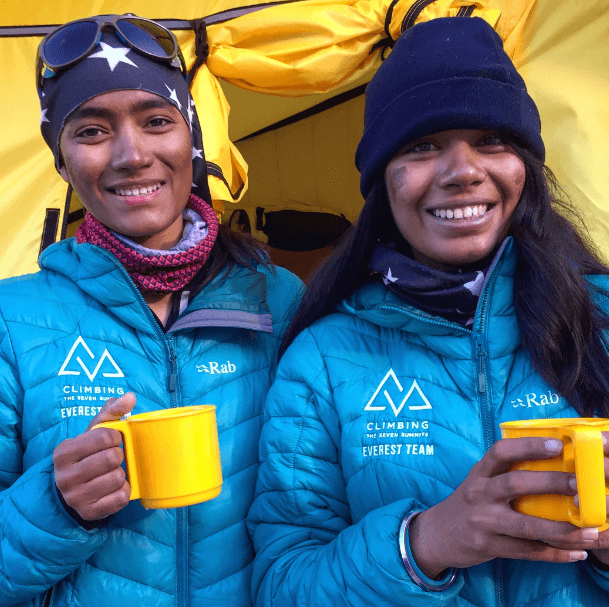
100,112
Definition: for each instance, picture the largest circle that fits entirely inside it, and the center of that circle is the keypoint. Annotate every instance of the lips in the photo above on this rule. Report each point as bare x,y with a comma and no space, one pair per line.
135,189
464,212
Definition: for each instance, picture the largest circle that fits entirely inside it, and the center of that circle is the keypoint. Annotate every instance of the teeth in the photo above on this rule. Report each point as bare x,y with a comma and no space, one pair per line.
138,191
462,213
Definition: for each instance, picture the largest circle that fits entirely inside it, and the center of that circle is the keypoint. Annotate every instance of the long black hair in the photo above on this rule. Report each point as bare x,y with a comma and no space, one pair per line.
561,322
229,249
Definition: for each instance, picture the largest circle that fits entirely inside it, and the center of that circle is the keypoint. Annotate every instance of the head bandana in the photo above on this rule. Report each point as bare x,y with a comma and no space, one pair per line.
112,66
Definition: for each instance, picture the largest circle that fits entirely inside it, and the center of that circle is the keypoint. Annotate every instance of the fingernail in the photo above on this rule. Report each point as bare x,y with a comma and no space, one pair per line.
554,445
573,483
590,533
604,440
576,501
578,555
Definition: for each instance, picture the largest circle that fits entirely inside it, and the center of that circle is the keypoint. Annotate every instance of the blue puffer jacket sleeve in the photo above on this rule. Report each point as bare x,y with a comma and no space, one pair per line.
309,550
30,512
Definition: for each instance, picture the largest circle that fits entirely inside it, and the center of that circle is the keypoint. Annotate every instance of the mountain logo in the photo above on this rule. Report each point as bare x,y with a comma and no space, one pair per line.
391,382
74,353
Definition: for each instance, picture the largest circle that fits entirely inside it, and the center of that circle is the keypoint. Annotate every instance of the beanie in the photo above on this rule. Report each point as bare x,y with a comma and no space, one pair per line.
448,73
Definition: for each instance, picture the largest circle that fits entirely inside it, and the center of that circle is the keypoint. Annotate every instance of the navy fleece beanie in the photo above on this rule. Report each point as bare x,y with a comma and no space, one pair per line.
448,73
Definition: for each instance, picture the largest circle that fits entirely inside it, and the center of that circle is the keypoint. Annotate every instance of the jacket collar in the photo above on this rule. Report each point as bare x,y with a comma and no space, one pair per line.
234,300
375,303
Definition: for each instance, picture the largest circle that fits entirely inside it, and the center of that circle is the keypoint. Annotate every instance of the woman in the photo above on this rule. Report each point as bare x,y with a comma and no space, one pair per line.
153,305
457,301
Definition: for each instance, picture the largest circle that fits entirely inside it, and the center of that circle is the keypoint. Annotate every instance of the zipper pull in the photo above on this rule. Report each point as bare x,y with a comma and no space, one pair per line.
481,376
173,376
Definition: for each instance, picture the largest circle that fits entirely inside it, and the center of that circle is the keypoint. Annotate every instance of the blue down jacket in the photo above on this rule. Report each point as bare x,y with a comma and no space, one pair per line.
376,412
73,335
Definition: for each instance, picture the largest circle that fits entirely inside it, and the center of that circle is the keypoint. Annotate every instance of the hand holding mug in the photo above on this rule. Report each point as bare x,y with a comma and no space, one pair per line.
476,523
88,470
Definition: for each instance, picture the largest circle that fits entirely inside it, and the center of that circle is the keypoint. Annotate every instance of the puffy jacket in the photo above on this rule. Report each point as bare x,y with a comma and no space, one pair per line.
79,332
376,412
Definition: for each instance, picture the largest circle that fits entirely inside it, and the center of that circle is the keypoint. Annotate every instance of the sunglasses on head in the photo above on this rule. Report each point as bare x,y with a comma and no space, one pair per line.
74,41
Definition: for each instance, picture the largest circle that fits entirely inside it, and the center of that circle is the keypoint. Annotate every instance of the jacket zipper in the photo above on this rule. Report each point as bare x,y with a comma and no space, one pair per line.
173,388
181,513
483,398
487,427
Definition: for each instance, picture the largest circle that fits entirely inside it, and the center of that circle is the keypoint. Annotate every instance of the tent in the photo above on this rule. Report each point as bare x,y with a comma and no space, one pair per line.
281,102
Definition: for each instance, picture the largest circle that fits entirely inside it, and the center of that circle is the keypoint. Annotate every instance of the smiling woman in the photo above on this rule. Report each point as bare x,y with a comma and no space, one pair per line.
459,292
127,154
150,293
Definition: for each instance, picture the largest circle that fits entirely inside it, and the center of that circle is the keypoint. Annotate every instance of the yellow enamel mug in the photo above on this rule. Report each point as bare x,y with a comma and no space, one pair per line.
582,454
172,455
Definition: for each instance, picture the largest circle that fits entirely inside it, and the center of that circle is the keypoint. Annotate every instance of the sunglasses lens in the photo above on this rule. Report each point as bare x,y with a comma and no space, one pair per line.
148,37
69,43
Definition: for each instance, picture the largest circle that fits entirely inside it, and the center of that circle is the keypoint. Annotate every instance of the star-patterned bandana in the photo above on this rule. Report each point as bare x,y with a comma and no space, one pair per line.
115,67
452,295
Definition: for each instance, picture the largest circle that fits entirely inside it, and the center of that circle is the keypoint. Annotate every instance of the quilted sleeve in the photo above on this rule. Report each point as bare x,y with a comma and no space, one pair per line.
39,543
308,550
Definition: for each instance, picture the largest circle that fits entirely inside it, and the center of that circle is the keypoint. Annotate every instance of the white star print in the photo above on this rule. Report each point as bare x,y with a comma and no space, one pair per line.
475,286
190,112
114,55
43,116
174,97
194,185
196,153
389,278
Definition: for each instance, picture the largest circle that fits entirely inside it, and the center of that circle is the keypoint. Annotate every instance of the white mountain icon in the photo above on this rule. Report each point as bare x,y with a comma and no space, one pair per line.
91,375
414,388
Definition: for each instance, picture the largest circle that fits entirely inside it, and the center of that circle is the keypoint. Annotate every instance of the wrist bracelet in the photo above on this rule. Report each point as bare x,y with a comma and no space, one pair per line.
408,564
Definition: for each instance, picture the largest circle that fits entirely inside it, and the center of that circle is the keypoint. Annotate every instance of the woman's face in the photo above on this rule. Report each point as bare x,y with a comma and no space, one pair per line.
452,195
128,156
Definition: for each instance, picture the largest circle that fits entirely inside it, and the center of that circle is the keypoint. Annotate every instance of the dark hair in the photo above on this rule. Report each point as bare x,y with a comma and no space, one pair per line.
561,325
233,248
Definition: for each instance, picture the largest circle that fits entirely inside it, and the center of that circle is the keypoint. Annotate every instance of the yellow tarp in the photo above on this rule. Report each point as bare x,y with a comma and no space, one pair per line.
311,50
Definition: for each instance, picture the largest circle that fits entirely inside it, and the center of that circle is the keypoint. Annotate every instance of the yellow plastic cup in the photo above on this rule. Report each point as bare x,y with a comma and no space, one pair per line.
582,454
172,456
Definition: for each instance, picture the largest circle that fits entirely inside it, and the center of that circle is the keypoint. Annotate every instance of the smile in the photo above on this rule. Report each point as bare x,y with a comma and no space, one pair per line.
465,212
136,190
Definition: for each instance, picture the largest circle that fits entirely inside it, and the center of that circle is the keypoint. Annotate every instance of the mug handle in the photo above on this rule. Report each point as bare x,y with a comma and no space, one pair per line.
587,451
123,427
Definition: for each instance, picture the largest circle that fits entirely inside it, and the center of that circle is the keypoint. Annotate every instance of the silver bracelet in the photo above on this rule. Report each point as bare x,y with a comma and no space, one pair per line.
408,565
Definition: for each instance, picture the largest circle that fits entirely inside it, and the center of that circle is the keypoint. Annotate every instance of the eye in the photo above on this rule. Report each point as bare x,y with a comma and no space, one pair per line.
421,148
494,140
159,122
89,132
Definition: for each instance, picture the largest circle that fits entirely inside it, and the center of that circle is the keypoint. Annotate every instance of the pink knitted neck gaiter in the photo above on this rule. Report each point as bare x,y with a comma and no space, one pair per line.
161,273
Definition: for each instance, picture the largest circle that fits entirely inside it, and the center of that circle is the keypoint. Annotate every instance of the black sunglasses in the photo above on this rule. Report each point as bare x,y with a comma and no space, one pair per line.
73,41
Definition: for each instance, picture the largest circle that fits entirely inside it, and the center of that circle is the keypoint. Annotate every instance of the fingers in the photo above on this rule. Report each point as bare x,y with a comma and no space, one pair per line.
506,452
114,409
556,533
74,450
100,497
538,551
516,483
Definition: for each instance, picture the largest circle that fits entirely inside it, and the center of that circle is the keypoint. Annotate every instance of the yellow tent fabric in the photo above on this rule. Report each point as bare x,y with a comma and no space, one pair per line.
272,61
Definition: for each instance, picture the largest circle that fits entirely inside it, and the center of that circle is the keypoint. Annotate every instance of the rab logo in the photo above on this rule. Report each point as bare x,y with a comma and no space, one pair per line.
91,375
212,368
414,388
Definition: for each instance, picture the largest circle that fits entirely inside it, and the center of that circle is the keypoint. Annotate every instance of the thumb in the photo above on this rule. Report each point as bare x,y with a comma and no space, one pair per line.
114,409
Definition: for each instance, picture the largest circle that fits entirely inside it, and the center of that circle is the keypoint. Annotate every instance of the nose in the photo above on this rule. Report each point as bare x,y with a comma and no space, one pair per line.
461,166
129,151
